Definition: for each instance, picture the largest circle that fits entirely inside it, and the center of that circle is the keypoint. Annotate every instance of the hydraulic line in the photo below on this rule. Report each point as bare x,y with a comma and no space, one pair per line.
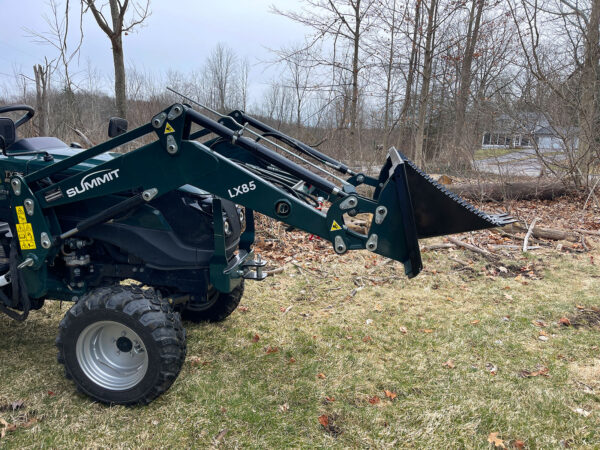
264,153
243,127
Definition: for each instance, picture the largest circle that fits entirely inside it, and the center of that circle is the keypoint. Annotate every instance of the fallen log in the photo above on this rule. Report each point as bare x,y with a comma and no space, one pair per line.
513,191
544,233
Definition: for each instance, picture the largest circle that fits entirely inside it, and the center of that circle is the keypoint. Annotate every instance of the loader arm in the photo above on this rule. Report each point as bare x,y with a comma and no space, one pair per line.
175,159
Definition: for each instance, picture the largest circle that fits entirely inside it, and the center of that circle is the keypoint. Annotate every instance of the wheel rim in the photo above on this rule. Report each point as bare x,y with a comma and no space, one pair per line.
112,355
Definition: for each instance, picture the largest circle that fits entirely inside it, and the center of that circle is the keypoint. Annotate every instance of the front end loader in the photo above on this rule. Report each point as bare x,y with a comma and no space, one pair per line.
139,240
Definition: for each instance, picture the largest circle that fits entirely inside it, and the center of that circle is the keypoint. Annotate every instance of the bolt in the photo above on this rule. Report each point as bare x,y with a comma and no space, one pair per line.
16,185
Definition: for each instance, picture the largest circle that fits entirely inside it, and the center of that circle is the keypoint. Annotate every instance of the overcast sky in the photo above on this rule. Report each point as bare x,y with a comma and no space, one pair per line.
178,35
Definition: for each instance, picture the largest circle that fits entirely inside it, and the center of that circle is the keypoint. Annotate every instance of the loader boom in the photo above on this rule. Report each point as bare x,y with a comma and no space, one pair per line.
174,159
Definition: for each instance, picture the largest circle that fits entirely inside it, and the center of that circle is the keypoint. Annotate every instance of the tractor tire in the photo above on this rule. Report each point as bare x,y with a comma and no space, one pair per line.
218,307
121,345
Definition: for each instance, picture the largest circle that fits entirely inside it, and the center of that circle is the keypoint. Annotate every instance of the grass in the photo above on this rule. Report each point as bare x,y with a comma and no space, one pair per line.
233,393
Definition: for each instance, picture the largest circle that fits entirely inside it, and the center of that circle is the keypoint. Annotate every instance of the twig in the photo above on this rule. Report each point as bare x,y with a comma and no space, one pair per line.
583,244
473,248
274,271
461,262
590,232
437,247
528,235
512,247
303,271
591,194
85,139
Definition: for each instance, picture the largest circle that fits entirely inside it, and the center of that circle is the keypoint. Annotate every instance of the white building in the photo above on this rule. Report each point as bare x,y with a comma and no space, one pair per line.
529,130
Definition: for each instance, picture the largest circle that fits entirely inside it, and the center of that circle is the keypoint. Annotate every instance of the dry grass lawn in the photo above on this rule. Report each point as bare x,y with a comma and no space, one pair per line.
323,342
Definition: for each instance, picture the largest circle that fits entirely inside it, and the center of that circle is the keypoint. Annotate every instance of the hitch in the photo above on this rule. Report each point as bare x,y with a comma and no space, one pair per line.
256,274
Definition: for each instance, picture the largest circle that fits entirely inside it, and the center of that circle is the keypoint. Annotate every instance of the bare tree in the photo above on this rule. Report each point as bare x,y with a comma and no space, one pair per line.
560,40
58,36
345,23
427,70
407,105
220,70
115,30
42,75
298,70
387,51
464,87
243,82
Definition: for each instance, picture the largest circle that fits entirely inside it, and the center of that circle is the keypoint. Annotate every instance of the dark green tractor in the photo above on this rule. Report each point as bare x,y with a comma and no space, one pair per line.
139,240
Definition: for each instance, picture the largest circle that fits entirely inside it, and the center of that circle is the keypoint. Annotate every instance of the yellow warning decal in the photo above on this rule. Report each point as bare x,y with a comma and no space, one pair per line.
21,214
24,230
335,226
169,129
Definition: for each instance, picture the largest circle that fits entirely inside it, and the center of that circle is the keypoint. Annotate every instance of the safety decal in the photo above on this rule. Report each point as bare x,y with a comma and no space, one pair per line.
335,226
24,230
169,129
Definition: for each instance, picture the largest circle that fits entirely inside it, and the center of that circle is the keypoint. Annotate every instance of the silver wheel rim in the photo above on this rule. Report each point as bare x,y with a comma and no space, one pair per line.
112,355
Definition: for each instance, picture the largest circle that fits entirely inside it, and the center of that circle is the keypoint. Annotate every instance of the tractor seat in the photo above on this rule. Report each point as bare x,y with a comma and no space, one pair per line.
36,144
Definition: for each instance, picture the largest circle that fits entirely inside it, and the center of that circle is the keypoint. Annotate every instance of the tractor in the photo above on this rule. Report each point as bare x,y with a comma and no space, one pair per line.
142,240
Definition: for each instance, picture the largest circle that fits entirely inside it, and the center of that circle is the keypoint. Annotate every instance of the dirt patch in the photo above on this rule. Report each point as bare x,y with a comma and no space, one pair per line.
588,318
586,374
514,270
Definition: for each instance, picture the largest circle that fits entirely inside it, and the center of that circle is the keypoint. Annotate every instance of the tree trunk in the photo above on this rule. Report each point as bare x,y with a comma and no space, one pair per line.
120,90
355,70
405,134
424,96
513,191
388,87
460,133
42,78
116,39
589,134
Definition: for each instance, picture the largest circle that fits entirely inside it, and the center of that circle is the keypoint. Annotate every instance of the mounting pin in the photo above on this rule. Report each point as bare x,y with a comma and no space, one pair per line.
28,203
16,185
45,240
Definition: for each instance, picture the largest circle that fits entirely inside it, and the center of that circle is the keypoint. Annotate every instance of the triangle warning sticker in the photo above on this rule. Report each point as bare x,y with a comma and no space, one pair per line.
169,129
335,226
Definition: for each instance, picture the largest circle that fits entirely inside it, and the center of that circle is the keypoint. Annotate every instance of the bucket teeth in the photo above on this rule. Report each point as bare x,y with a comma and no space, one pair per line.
439,211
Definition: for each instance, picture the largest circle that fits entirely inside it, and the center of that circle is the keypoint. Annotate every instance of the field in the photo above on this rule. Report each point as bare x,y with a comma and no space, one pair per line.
346,352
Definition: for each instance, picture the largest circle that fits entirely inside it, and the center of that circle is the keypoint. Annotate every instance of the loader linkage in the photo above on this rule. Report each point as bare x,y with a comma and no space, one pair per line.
77,222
